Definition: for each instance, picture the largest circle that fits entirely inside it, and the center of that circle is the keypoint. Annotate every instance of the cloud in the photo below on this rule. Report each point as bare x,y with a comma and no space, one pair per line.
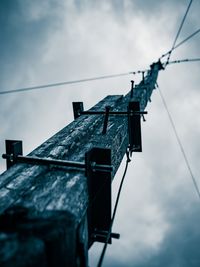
180,246
25,27
46,42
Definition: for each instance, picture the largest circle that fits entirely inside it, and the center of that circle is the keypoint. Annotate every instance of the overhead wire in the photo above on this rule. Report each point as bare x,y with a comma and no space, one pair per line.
184,60
174,46
68,82
114,212
182,42
179,30
179,143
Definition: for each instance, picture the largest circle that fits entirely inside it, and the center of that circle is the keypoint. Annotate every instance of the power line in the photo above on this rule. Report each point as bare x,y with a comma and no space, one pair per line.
114,212
179,143
182,42
67,82
184,60
179,30
186,39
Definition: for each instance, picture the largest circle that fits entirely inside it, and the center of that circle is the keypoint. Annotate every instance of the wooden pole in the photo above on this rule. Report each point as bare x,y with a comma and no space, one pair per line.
45,211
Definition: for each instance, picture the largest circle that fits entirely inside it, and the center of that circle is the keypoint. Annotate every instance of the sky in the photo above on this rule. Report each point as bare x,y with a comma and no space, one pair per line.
53,41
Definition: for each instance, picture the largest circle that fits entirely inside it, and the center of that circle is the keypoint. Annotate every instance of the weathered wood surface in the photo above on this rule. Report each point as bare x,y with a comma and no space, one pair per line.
16,251
49,230
57,190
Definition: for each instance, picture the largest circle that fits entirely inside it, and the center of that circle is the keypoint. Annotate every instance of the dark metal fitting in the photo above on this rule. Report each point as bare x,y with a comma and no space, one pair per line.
78,111
115,235
143,118
104,234
12,158
132,87
100,167
134,126
113,112
105,124
143,75
8,157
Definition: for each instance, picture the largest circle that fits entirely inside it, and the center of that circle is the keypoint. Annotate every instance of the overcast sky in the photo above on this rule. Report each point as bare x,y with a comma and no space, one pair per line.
53,41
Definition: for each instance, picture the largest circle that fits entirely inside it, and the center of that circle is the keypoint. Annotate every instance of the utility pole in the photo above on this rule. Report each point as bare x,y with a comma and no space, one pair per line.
57,201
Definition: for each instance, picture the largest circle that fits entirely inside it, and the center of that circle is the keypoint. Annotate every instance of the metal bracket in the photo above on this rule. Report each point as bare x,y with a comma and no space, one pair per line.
134,124
98,170
78,111
14,149
134,127
99,188
14,155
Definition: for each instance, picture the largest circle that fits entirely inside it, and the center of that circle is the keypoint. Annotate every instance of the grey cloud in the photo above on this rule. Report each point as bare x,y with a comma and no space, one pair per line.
25,29
23,35
181,245
74,39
